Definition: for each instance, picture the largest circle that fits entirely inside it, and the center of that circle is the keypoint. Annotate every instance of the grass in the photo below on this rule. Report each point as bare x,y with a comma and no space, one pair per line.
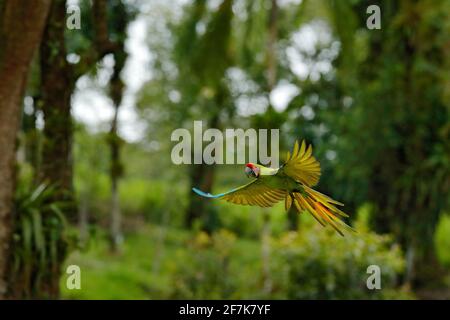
128,275
142,270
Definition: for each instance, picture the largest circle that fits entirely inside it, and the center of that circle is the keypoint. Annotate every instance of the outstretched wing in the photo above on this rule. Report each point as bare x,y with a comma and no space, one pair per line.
302,166
255,193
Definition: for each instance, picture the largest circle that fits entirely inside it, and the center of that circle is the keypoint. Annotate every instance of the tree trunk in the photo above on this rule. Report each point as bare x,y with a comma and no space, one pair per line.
159,245
265,253
21,25
271,46
58,79
116,93
116,237
116,218
202,176
57,85
271,82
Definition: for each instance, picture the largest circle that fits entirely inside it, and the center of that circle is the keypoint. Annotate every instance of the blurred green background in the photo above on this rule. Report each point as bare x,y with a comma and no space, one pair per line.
373,103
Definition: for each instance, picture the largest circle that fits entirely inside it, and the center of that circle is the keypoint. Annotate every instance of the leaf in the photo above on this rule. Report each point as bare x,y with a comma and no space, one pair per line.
59,214
54,247
37,229
26,236
37,192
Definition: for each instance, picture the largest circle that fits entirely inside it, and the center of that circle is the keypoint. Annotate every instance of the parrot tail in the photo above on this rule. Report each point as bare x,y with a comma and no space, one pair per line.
320,206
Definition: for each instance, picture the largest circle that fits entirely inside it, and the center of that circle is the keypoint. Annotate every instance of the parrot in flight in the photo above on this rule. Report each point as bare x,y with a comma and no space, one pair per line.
291,182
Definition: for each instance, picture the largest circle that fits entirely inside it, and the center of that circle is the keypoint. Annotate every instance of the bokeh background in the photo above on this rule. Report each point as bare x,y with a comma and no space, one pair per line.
96,186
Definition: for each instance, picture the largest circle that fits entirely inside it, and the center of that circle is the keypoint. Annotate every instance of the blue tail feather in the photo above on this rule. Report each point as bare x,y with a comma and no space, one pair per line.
208,195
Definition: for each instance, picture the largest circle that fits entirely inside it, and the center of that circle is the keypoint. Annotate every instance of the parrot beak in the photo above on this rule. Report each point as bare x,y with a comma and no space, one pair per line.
248,172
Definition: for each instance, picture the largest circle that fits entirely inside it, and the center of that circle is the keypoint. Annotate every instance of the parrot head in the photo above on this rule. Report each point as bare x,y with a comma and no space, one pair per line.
251,170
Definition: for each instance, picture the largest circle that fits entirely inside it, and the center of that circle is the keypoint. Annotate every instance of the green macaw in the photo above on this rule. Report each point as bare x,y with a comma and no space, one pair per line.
292,182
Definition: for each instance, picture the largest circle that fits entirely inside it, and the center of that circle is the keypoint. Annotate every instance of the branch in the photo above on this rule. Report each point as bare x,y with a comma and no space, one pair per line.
102,44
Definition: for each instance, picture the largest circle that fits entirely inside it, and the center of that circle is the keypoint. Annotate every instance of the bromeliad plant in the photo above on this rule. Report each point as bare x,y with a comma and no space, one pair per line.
39,242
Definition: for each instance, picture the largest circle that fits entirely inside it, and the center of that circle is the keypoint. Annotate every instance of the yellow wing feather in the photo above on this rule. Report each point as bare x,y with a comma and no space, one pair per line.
301,165
255,193
322,209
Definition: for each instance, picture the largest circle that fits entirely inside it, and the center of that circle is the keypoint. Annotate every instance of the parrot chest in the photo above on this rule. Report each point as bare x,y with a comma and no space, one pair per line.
280,182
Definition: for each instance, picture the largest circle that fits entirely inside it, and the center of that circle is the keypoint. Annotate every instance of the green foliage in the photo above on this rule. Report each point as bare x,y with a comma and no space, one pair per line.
152,200
247,222
40,239
321,265
205,272
312,263
442,240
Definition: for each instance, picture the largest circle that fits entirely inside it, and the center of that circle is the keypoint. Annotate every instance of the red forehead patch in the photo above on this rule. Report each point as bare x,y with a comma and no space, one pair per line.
250,165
